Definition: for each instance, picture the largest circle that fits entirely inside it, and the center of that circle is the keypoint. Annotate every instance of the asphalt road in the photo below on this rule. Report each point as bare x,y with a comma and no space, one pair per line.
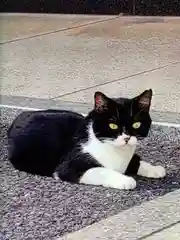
42,208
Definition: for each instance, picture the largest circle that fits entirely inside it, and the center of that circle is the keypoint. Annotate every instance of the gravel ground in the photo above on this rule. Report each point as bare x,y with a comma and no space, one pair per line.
42,208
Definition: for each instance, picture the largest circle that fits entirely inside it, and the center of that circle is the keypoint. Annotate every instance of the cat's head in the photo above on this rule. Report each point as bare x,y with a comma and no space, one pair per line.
121,122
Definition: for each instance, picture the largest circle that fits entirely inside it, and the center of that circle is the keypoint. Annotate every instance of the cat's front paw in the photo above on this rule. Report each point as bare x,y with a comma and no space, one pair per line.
127,183
56,176
157,172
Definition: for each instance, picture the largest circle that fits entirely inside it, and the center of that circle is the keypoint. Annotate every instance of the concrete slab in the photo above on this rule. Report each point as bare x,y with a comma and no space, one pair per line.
137,223
165,83
18,26
58,64
134,28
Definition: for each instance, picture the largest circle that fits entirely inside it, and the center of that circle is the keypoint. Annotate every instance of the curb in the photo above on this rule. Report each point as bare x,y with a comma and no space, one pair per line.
24,103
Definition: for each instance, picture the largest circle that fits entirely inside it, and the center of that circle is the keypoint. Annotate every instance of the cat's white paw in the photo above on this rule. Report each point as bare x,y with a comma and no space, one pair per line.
151,171
156,172
55,176
101,176
126,183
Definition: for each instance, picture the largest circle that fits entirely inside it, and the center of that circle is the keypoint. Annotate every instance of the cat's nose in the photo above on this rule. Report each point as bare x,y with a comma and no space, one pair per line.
126,139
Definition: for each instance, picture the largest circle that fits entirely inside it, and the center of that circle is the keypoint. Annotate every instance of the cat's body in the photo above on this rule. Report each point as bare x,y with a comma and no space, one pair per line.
39,139
98,149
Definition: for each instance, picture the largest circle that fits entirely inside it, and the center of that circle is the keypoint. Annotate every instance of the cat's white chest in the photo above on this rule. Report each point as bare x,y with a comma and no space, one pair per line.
108,155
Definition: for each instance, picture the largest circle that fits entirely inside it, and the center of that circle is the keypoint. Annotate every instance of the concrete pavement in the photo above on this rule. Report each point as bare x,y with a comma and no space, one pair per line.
20,26
157,219
120,56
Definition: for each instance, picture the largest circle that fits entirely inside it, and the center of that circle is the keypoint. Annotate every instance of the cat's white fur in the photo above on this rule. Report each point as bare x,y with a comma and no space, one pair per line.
111,154
107,178
150,171
114,156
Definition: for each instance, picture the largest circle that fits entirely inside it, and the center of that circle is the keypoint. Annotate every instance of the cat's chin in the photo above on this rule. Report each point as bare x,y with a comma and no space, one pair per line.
124,144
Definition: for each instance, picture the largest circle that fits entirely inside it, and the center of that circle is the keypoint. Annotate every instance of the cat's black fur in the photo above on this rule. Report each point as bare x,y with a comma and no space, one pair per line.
42,141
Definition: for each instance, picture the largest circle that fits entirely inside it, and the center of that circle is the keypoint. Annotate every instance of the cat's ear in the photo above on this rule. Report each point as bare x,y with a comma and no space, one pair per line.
100,102
144,100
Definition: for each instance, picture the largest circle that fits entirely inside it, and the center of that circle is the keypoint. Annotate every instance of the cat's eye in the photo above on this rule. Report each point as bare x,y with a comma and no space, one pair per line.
113,126
136,125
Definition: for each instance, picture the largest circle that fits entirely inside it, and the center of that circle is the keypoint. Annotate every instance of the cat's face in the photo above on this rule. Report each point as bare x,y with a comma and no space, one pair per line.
121,123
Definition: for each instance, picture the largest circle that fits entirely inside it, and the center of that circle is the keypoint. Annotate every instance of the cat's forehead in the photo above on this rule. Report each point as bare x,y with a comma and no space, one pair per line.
118,111
124,110
129,108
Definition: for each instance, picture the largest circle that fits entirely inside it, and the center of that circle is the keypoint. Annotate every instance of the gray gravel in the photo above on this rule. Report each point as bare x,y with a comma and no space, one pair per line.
42,208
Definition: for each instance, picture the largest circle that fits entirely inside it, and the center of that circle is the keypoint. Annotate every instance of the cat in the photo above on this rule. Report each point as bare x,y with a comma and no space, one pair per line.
98,149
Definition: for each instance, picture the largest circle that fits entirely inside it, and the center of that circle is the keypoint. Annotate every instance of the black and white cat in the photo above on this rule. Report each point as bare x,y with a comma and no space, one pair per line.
98,149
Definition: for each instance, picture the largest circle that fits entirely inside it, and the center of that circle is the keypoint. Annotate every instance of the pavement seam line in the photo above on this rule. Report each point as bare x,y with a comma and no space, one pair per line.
59,30
159,230
116,80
